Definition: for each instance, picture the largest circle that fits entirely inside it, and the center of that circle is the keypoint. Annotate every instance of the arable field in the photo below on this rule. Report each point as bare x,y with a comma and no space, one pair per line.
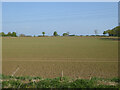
77,57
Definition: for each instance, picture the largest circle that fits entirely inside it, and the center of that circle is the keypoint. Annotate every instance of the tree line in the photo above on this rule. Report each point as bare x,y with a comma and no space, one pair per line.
14,34
114,32
9,34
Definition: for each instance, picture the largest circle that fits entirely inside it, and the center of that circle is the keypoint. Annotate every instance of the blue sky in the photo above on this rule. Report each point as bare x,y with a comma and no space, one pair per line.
32,18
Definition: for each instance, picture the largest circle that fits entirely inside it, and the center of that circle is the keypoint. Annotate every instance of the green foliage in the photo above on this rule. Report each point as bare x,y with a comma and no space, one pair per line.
65,34
97,79
115,80
82,83
13,34
117,30
9,34
43,33
72,35
55,33
106,86
2,34
105,32
64,82
114,32
11,84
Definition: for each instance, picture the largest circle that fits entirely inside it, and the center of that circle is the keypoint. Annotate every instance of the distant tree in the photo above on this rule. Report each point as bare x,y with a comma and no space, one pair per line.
9,34
2,34
14,34
22,35
114,32
72,35
66,34
96,32
43,33
55,33
110,32
105,32
117,31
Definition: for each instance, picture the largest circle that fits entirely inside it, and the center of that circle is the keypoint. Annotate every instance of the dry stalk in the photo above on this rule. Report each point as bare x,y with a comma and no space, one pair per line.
61,75
15,70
